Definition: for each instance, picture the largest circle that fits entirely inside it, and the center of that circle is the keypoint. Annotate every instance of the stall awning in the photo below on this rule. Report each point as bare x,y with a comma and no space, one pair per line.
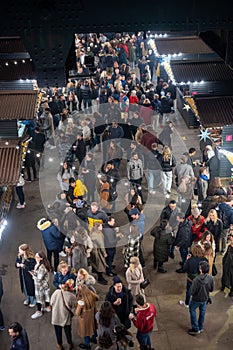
215,111
18,104
10,161
201,71
185,45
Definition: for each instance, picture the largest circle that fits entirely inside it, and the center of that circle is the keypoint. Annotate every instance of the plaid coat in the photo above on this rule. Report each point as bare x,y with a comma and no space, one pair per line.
41,281
131,249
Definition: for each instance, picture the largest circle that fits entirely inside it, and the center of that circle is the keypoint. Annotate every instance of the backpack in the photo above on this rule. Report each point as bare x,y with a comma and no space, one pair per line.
223,217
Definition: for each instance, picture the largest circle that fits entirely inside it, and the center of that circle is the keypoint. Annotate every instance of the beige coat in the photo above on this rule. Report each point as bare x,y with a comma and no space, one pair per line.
85,319
134,277
60,314
98,252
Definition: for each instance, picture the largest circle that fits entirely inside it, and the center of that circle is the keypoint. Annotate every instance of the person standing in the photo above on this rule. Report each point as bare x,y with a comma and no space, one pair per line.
202,285
227,276
139,221
63,302
20,192
121,299
40,275
2,327
25,262
135,171
134,277
110,243
19,337
144,321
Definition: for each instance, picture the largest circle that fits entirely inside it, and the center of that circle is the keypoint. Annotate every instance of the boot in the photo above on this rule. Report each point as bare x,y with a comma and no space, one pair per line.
60,347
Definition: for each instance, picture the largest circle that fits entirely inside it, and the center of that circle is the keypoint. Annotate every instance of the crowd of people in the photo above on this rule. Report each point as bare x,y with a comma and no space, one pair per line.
127,124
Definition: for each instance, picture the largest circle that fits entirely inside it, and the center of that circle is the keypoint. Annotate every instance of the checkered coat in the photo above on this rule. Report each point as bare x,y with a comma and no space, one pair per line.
131,249
41,281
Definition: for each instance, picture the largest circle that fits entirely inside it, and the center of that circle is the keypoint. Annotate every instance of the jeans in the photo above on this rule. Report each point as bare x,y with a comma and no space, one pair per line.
58,332
1,318
29,299
154,179
183,254
188,293
55,257
144,338
224,238
20,194
109,259
193,305
87,102
141,258
166,180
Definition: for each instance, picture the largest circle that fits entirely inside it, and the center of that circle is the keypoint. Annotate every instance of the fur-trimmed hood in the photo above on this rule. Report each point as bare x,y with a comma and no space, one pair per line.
43,224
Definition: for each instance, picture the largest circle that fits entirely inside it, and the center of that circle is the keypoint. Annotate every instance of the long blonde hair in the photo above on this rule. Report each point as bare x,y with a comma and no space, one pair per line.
166,153
214,212
28,253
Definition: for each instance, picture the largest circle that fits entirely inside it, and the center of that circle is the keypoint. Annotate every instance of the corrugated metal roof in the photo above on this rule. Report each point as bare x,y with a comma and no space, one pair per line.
197,71
18,104
12,44
215,111
10,161
185,45
16,85
17,71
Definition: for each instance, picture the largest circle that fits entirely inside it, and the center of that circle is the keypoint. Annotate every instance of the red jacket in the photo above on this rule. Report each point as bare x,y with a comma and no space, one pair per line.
144,321
197,228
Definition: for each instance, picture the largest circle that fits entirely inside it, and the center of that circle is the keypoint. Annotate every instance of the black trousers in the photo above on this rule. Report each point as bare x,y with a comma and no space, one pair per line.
55,257
58,332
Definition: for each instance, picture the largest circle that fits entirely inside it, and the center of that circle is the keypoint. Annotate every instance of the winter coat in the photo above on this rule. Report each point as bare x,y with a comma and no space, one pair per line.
24,275
197,228
184,234
134,278
166,165
59,278
20,342
183,169
227,262
146,112
123,310
215,228
191,266
89,282
228,211
79,258
64,177
51,236
41,280
104,195
144,320
162,242
134,169
116,133
80,189
89,176
98,252
99,216
202,187
86,319
110,237
213,166
170,215
60,315
165,136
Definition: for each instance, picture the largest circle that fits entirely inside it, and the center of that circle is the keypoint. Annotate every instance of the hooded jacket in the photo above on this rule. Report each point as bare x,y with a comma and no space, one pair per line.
202,285
50,234
228,211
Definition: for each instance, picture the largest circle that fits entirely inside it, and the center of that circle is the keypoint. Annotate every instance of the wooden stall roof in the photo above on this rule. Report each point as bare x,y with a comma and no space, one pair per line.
10,161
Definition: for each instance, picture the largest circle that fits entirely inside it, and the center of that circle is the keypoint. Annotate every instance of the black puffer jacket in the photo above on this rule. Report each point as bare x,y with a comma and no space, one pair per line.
162,242
184,234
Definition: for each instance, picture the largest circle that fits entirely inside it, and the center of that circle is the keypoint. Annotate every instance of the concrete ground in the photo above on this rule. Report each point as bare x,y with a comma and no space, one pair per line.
165,290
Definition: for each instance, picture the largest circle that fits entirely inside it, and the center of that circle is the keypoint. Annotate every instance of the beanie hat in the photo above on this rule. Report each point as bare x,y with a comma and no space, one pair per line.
116,279
195,211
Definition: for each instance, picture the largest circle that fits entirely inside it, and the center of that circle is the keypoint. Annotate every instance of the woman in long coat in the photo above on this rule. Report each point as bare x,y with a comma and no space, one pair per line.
26,262
162,242
85,311
98,253
134,276
63,303
227,263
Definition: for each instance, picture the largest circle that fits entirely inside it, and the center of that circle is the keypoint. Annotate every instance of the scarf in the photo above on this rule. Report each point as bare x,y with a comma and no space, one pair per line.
204,177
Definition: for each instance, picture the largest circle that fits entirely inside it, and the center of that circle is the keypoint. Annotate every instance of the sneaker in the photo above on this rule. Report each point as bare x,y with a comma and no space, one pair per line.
2,328
111,274
62,254
32,305
47,309
20,206
181,302
26,302
201,330
37,314
193,332
52,147
161,270
180,270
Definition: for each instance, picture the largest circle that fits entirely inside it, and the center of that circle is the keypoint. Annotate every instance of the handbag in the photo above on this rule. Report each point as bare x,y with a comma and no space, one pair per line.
214,270
145,283
70,312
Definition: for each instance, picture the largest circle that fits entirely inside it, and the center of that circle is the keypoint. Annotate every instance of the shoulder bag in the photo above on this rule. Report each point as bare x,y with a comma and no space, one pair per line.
66,306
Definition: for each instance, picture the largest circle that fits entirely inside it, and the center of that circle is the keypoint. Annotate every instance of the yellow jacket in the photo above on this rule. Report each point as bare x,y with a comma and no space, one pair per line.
80,189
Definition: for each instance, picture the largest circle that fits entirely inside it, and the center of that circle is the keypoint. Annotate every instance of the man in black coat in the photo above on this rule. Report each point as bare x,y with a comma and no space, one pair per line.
121,299
183,238
79,148
39,142
19,337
